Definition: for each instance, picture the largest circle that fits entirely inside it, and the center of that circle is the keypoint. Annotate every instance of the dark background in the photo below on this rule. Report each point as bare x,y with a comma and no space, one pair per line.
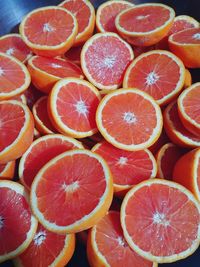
12,12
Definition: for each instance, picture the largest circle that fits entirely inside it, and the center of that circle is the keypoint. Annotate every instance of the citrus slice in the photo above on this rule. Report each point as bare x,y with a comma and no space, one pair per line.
13,45
189,108
41,117
47,249
104,58
7,170
106,245
72,107
107,12
74,55
64,195
36,134
40,152
49,31
32,95
145,24
18,226
45,72
16,130
186,45
162,215
84,12
166,159
188,79
128,168
14,77
158,73
21,98
187,171
175,129
129,119
139,50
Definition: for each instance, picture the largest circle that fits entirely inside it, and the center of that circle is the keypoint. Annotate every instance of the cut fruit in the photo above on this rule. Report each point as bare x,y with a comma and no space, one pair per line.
7,170
129,119
36,134
16,130
74,55
104,59
106,245
127,168
14,77
162,140
186,45
166,159
17,225
13,45
49,31
189,108
47,249
32,95
162,215
40,152
188,79
158,73
187,171
68,185
107,12
45,72
175,129
84,12
41,117
20,98
72,106
139,50
146,24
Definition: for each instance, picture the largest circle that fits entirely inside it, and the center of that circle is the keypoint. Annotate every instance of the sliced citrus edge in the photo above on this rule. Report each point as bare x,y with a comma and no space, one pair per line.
102,6
83,63
44,47
63,257
28,121
35,142
18,188
120,187
80,37
8,171
55,117
185,118
188,79
156,132
88,220
148,255
158,29
189,19
24,86
170,40
174,134
180,83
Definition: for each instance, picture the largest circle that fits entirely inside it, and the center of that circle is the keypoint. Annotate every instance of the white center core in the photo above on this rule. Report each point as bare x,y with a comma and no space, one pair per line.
152,78
81,107
1,222
1,71
160,218
71,187
196,36
55,66
121,241
47,28
10,51
129,117
109,61
122,161
142,17
39,238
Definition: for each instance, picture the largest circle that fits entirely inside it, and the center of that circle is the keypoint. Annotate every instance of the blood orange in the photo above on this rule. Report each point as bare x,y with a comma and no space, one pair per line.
74,55
188,79
7,170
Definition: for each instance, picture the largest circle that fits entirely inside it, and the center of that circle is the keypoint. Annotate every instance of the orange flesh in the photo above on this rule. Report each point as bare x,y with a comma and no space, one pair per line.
44,248
14,46
151,74
56,67
76,105
80,171
180,25
198,174
189,36
12,119
81,11
162,215
15,216
138,129
144,19
191,104
48,27
109,13
106,60
2,167
11,75
112,245
127,168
